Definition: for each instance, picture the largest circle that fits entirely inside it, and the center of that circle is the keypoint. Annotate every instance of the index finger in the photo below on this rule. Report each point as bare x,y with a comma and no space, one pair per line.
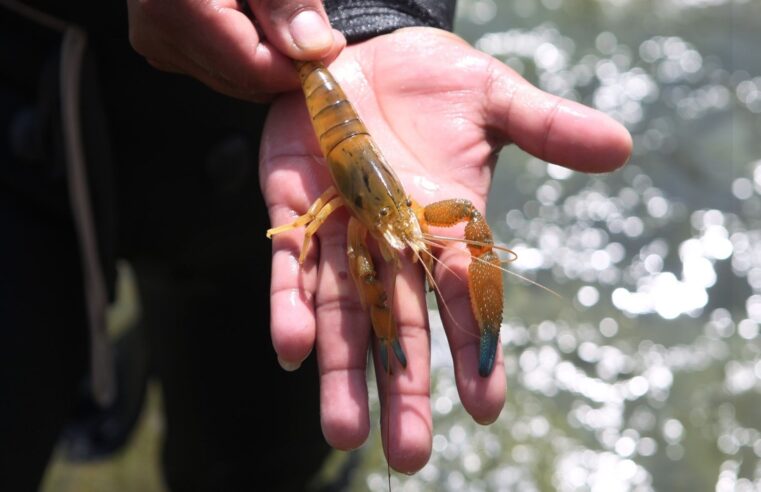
215,42
226,42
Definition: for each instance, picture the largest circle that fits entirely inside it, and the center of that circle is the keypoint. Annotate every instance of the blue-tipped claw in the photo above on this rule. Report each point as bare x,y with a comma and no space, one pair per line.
398,352
488,352
384,356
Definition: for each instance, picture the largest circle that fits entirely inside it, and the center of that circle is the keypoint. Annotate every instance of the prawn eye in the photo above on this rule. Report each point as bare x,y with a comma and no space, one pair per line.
409,202
384,211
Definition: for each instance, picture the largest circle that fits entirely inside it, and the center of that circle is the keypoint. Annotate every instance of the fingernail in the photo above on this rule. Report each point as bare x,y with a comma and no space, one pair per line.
310,31
288,366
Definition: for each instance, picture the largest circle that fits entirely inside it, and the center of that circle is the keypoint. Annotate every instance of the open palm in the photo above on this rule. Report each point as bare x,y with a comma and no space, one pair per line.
440,111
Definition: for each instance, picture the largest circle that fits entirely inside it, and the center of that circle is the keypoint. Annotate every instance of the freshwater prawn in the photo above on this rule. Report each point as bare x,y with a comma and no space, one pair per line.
366,185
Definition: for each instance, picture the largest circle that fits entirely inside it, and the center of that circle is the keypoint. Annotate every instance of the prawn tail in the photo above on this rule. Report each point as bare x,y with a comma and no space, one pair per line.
398,352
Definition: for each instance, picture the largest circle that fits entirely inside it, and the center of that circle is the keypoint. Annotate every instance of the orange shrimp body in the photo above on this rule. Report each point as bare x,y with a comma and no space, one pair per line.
364,183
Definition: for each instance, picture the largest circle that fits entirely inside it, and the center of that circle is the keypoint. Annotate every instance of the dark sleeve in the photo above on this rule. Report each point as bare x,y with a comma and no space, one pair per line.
362,19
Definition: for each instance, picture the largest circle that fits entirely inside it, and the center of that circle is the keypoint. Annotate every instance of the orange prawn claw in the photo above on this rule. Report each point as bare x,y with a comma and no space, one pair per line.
372,293
484,273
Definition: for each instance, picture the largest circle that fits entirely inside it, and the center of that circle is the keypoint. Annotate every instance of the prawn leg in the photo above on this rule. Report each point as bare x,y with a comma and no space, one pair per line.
484,274
371,292
315,216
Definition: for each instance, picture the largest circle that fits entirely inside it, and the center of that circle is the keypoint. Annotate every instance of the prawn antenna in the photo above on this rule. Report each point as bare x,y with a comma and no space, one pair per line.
435,285
474,243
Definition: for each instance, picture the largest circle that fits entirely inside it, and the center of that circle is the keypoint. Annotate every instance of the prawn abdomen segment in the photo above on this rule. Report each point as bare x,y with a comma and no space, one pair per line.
485,275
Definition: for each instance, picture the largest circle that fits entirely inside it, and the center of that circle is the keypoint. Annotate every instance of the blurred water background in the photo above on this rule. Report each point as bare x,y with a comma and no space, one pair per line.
646,375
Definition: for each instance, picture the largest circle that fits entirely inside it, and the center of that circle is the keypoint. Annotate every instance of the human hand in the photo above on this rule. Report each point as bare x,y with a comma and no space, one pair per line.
216,42
439,110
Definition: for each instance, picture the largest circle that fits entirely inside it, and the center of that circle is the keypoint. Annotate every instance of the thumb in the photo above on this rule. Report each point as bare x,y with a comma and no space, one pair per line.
299,29
552,128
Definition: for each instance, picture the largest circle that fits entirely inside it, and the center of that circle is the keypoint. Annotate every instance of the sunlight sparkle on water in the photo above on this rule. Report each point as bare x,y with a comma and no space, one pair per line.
600,472
663,294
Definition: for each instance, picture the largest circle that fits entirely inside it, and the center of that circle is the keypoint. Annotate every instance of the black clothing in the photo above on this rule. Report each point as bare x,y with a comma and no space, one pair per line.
363,19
